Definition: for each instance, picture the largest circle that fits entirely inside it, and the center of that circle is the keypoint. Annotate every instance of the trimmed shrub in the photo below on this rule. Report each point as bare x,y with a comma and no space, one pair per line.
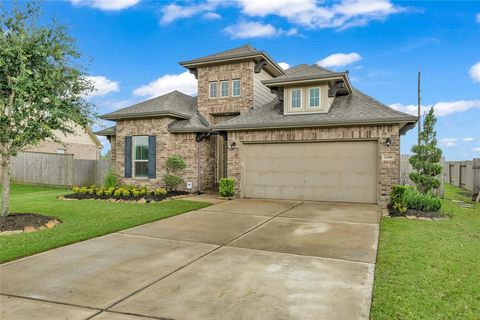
111,180
176,163
226,187
172,182
76,190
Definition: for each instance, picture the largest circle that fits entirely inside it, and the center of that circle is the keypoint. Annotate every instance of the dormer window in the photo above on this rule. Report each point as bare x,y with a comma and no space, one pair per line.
314,97
296,99
224,88
236,88
213,89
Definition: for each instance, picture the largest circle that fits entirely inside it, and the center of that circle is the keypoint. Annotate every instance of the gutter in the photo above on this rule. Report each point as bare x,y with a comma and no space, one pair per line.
310,125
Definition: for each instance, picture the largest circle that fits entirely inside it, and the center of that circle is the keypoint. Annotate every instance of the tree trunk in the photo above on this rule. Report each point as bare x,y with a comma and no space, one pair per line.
6,166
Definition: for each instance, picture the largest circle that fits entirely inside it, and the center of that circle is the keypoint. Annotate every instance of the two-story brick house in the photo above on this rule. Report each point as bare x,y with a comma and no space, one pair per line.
302,133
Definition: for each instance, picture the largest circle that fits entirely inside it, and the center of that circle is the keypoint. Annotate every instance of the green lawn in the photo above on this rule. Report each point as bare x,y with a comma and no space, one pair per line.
83,219
430,270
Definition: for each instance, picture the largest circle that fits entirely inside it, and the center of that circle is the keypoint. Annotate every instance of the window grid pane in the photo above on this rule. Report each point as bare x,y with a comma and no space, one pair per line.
315,97
141,168
296,98
213,89
140,147
224,88
236,88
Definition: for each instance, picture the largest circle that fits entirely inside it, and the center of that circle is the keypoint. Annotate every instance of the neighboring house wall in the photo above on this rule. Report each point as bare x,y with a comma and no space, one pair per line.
243,71
261,94
388,157
167,144
78,150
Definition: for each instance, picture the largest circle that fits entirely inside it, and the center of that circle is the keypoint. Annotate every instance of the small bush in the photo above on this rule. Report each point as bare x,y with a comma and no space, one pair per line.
125,193
76,190
172,182
135,192
160,192
414,200
100,192
109,191
111,180
226,187
118,192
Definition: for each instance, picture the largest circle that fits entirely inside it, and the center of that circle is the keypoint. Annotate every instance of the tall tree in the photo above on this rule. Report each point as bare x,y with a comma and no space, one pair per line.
426,157
42,85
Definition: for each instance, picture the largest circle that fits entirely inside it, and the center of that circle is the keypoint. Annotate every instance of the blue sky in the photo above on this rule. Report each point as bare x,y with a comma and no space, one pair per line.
135,46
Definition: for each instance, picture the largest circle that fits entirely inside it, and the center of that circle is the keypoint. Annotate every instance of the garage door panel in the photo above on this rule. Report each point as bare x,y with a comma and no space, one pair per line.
322,171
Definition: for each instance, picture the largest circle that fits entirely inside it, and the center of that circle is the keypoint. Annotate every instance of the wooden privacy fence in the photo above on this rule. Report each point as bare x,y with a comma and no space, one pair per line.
406,168
465,174
58,169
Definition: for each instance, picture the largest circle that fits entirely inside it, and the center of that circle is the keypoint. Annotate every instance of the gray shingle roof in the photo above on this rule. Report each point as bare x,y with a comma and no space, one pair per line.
232,53
356,107
107,132
304,72
176,104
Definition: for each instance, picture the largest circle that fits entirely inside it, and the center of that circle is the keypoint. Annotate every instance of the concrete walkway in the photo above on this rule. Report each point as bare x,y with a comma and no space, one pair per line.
239,259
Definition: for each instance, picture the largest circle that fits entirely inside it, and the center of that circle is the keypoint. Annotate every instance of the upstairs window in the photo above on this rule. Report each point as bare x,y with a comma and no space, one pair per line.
296,98
140,156
314,97
213,89
236,89
224,88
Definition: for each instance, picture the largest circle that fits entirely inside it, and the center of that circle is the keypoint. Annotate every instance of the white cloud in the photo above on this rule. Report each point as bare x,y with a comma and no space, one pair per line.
475,72
339,59
311,14
476,149
103,86
468,139
449,142
441,108
184,82
212,16
106,4
284,65
174,12
251,29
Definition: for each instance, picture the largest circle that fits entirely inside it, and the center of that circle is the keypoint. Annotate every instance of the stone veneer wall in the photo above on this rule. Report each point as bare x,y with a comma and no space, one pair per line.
388,157
229,71
168,144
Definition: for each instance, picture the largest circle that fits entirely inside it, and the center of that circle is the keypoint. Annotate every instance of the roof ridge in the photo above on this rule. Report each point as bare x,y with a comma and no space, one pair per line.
322,68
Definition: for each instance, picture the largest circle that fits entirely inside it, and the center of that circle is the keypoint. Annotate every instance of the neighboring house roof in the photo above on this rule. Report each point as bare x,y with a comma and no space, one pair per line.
107,131
305,73
355,108
175,104
94,137
240,53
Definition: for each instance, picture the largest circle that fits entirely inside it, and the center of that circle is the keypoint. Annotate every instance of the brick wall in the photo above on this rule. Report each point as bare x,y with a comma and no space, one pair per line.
388,157
243,71
182,144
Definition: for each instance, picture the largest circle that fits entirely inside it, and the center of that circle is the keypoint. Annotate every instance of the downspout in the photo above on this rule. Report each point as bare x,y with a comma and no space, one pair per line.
198,168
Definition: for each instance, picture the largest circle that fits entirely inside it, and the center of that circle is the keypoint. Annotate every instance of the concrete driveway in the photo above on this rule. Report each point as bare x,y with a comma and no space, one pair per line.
240,259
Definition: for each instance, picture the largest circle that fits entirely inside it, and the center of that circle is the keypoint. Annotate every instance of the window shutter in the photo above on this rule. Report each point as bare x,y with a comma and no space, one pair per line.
152,157
128,157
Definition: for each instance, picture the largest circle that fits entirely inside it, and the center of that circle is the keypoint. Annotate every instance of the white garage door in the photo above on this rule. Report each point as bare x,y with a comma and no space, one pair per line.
321,171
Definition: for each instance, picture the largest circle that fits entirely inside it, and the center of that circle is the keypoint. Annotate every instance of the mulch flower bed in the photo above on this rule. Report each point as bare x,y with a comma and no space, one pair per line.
141,199
26,222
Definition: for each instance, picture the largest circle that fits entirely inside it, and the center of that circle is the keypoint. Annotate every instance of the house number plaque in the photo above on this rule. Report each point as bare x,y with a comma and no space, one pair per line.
388,157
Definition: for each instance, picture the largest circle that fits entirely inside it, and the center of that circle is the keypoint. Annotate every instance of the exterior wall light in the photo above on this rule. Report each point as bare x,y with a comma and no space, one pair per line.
388,142
232,146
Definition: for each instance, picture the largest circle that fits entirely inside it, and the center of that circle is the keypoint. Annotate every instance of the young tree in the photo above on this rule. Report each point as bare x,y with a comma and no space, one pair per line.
41,85
426,157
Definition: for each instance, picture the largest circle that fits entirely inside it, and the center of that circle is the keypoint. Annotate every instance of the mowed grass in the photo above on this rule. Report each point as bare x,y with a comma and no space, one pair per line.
82,219
430,270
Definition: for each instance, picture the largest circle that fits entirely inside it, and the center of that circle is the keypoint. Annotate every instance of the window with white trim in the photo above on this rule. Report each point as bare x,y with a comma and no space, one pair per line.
224,88
296,98
213,89
236,88
140,156
314,97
